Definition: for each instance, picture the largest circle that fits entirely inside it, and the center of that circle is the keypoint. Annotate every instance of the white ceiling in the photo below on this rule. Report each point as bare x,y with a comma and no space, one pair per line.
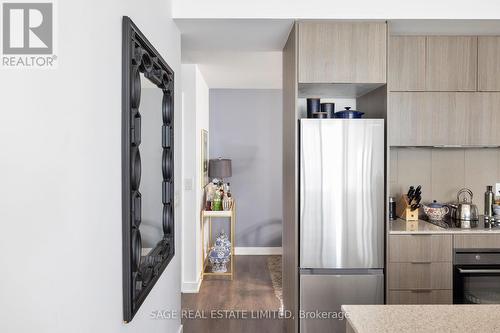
236,54
246,53
233,35
241,70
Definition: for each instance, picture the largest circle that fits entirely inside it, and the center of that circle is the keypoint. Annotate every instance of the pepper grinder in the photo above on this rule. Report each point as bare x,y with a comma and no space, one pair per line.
488,201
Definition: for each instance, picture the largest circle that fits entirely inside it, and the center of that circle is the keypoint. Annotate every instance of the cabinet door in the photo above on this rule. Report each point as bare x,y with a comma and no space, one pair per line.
342,52
450,116
489,63
451,63
483,119
410,119
406,63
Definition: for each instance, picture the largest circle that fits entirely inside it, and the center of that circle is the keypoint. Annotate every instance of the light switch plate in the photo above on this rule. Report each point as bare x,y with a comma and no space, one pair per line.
188,184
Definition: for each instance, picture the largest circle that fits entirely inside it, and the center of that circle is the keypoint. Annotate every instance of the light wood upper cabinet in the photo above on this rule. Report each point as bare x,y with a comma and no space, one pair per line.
342,52
451,63
444,118
410,119
483,119
450,114
406,63
489,63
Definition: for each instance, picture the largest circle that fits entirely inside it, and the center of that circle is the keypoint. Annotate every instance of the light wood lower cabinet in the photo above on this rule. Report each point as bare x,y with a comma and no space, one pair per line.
420,276
476,241
420,248
420,269
420,297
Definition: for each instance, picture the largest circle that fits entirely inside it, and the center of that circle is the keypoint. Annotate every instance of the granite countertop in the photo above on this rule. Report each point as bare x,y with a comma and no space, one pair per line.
423,318
400,226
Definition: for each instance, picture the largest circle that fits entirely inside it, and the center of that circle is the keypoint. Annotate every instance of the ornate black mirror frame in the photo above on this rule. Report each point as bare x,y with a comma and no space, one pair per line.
141,273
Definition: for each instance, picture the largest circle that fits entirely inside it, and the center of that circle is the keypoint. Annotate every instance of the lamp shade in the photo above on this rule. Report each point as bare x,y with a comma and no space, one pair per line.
219,168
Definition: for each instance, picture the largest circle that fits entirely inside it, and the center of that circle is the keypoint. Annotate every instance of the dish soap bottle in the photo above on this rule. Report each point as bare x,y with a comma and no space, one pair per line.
488,201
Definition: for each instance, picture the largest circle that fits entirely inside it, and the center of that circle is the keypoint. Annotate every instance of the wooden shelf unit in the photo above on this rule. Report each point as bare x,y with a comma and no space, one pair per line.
206,214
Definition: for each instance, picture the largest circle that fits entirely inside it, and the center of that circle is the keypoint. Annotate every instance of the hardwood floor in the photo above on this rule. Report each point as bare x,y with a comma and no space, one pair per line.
250,293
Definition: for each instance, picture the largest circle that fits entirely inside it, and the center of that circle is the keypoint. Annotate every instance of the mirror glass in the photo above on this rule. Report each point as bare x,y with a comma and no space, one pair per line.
151,158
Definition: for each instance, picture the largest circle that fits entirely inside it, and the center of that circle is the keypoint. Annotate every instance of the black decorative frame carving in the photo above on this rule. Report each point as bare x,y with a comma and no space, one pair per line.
141,273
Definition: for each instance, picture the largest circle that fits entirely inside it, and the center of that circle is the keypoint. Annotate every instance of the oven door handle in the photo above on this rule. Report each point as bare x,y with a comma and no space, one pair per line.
478,271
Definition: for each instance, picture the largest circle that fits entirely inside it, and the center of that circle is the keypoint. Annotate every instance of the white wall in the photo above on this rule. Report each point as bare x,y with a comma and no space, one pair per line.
327,9
195,113
60,198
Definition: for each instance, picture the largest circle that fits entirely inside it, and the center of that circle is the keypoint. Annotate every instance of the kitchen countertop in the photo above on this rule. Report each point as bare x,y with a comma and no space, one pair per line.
456,318
400,226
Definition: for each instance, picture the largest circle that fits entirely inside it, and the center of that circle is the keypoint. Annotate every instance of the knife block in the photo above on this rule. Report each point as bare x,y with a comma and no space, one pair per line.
403,209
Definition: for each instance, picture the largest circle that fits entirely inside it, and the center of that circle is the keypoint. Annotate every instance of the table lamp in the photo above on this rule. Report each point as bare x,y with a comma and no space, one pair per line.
219,168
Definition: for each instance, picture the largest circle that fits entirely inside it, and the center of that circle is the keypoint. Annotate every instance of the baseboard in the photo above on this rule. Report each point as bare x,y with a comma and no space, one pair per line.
191,287
257,251
180,329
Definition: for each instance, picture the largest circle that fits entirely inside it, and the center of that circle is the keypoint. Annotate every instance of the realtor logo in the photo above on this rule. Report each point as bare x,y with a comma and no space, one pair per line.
28,34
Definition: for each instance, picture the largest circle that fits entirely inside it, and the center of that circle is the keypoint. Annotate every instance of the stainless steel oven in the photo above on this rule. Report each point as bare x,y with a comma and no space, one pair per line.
476,276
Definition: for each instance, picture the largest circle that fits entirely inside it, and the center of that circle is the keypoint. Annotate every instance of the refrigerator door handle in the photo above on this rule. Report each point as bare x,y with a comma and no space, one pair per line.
341,271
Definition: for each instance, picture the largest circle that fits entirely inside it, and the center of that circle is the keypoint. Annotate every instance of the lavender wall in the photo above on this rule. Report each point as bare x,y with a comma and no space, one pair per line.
245,126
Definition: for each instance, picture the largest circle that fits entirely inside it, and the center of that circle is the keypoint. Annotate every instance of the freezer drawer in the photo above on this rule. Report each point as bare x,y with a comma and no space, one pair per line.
342,193
329,292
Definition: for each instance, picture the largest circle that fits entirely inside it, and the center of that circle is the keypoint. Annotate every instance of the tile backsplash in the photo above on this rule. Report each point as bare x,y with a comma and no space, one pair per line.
442,172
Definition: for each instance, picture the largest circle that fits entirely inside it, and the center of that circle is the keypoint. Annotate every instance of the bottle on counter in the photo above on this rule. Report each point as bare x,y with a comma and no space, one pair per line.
488,201
392,208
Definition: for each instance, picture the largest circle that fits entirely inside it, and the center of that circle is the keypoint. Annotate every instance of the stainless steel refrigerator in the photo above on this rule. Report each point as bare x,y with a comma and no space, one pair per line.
341,217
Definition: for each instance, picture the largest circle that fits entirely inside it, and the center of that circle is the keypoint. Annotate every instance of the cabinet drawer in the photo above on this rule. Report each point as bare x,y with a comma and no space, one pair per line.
411,276
477,241
420,297
420,248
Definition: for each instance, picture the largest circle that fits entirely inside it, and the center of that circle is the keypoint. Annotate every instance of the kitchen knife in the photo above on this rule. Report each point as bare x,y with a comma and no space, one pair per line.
410,194
410,191
417,203
418,191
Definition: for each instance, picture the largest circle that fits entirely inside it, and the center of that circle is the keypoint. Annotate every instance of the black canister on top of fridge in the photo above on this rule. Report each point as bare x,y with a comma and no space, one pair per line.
313,106
329,108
